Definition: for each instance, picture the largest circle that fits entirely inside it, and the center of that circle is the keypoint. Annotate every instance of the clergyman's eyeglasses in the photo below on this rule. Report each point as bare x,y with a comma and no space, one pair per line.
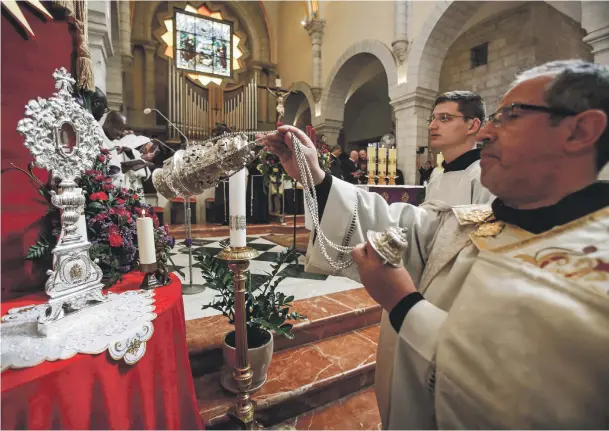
507,113
443,118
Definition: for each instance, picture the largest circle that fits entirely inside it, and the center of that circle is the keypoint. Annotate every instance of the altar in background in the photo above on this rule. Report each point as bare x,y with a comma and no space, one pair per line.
414,195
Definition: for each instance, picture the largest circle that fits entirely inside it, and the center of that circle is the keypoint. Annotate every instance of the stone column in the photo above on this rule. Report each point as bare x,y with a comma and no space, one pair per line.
411,112
595,20
315,28
124,27
149,93
330,129
114,72
100,40
400,43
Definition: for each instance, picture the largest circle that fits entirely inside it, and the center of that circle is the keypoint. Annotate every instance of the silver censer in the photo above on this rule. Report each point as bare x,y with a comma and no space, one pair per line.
65,139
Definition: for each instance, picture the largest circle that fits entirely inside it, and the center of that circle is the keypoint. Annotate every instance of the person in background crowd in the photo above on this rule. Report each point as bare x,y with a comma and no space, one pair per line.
424,172
130,176
335,163
351,168
99,105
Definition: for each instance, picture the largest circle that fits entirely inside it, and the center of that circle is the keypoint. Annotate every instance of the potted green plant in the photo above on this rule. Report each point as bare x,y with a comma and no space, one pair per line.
266,313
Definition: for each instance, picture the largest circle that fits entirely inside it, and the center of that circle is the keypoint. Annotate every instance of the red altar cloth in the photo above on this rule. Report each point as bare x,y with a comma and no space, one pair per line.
97,392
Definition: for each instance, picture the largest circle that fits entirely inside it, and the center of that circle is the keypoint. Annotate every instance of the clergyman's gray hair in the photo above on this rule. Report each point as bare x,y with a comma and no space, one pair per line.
576,85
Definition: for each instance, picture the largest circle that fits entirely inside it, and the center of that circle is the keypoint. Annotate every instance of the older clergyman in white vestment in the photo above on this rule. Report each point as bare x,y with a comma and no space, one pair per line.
502,311
453,125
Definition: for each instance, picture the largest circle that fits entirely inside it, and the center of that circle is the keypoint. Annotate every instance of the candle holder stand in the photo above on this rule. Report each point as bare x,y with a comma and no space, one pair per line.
150,281
242,411
392,179
382,179
190,288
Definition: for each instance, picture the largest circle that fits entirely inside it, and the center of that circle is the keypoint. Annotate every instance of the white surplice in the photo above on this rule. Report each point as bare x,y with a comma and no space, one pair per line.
440,257
458,187
133,179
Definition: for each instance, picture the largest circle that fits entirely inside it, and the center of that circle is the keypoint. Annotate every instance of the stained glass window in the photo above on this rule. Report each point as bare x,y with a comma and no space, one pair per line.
203,44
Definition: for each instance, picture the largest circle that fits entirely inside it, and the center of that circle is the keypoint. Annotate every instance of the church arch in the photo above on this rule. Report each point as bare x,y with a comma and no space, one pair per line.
447,21
345,71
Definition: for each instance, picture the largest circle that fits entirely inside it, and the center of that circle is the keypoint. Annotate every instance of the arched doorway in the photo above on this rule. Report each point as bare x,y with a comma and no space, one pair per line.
359,81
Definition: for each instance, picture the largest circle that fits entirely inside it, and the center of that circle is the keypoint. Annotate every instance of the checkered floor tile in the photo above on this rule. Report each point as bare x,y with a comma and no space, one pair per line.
299,283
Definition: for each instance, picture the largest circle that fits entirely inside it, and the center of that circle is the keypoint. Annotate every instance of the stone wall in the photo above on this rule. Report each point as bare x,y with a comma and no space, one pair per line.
526,36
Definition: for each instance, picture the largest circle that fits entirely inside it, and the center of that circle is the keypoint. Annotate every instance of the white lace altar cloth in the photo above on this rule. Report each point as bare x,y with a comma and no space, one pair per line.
121,325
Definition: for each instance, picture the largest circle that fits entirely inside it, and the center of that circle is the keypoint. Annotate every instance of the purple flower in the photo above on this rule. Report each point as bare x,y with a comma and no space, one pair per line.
172,242
188,242
125,269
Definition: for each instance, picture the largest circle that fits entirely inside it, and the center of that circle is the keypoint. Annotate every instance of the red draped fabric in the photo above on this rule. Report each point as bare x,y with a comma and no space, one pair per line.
97,392
27,69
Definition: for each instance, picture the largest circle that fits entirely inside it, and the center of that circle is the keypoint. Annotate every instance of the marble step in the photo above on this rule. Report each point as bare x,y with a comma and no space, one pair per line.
327,315
287,218
357,411
218,230
299,379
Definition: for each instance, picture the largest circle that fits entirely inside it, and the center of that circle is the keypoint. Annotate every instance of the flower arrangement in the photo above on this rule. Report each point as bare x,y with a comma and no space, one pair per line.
272,170
323,156
111,214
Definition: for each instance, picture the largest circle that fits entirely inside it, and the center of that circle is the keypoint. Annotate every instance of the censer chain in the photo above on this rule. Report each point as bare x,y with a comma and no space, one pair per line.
310,197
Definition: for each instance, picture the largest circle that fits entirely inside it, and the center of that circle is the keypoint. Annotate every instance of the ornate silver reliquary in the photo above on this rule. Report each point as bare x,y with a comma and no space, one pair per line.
65,139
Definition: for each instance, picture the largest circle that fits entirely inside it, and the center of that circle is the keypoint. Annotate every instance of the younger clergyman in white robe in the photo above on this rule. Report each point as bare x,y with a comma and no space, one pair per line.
458,182
440,258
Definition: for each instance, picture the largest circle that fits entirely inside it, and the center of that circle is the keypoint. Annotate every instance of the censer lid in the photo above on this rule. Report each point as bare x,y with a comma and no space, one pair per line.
390,244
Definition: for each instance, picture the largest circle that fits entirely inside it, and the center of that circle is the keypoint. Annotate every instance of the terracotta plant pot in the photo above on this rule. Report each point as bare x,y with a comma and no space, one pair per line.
259,355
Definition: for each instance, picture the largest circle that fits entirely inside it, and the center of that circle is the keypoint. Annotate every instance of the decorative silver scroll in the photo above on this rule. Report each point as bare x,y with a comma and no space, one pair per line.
390,244
65,139
237,222
202,165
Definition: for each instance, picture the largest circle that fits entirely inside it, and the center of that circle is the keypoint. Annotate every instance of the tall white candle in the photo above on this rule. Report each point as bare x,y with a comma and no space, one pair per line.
236,188
145,239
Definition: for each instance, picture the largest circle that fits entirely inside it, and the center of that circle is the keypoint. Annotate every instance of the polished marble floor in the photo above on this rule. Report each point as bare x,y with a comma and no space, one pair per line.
299,283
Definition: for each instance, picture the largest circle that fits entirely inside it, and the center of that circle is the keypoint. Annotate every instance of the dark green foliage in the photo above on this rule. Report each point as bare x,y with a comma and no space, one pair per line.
265,307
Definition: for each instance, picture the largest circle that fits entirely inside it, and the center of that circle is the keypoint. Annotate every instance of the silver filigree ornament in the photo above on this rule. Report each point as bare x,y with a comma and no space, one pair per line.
65,139
202,165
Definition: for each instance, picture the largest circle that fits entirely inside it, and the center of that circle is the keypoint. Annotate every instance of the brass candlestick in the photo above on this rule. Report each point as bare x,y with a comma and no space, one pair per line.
371,178
238,261
382,178
392,178
150,281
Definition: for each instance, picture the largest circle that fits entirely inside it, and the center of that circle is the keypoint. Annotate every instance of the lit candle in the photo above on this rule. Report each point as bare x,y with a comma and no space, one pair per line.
382,154
145,240
236,188
393,157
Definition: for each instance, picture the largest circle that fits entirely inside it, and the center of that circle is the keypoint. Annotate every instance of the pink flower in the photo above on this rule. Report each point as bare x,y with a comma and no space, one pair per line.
115,240
99,196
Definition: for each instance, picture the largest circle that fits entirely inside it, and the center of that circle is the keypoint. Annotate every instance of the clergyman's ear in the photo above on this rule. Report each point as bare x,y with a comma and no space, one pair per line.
586,128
